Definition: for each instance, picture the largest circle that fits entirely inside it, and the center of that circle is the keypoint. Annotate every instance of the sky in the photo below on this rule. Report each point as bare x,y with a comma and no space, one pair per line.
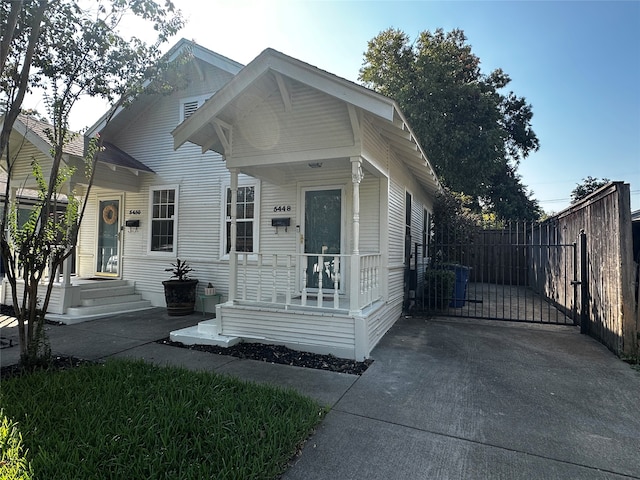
577,64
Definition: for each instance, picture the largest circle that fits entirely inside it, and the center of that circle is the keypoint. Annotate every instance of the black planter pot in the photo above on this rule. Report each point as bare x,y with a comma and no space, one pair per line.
180,296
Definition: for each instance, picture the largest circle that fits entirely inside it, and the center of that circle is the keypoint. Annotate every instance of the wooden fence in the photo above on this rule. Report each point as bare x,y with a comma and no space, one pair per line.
611,306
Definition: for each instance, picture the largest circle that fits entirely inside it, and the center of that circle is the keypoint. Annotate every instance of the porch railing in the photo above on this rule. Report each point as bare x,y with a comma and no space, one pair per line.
309,280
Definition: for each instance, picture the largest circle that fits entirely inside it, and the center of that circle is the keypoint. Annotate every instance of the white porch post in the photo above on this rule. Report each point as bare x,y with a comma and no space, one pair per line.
233,256
354,283
66,264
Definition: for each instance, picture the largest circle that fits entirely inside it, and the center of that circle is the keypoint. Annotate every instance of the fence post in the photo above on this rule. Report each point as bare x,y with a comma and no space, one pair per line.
584,285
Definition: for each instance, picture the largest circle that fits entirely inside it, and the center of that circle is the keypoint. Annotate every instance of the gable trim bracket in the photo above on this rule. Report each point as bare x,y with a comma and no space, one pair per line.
284,92
355,124
224,131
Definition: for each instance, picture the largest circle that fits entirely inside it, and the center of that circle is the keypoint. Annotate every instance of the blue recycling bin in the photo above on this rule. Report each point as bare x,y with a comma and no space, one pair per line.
460,287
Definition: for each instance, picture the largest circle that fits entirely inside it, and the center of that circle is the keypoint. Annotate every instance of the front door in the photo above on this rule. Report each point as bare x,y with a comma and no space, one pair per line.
322,235
108,247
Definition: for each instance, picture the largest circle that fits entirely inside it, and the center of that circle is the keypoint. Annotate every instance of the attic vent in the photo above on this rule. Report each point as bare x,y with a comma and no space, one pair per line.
189,105
188,108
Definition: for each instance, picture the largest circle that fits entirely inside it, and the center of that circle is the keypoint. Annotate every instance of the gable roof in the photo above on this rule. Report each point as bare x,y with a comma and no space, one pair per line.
183,45
35,131
389,119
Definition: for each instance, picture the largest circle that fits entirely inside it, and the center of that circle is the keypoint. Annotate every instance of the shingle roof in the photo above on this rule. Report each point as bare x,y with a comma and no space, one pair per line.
115,156
39,128
110,153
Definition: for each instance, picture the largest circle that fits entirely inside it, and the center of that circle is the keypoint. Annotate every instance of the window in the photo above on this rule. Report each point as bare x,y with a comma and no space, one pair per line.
164,206
407,228
246,219
426,230
189,105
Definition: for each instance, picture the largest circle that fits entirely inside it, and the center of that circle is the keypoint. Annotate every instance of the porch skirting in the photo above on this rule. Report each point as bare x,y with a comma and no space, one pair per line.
317,331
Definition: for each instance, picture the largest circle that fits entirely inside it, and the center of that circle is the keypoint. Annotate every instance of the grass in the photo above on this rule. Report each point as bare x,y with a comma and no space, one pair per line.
129,419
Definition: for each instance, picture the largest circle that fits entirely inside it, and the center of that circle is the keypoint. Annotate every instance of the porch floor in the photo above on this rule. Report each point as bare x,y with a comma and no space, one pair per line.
327,304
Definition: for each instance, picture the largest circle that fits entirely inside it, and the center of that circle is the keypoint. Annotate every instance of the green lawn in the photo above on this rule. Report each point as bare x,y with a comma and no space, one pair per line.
132,420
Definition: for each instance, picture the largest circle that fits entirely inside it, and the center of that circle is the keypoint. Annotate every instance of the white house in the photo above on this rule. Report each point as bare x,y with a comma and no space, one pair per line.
292,190
330,182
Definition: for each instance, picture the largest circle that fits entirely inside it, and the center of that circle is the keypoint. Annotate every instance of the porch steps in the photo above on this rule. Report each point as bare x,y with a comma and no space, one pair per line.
102,299
205,333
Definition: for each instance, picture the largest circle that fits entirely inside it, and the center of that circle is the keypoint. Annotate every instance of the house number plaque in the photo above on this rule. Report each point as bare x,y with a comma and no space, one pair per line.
134,212
282,208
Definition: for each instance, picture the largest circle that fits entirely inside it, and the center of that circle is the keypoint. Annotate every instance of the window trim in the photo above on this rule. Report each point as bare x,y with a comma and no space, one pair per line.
197,98
152,189
256,220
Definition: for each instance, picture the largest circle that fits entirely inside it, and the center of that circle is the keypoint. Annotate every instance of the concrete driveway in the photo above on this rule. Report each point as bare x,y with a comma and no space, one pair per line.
458,399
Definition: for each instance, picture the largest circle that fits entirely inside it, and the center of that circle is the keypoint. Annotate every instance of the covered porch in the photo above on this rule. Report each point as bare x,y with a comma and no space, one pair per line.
301,134
308,297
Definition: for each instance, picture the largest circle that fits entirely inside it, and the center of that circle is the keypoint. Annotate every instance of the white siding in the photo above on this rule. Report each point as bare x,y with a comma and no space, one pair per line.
315,332
316,121
382,320
200,178
370,215
374,147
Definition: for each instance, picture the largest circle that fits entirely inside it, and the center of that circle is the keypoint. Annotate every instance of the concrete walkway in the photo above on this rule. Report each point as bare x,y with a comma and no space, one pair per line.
444,399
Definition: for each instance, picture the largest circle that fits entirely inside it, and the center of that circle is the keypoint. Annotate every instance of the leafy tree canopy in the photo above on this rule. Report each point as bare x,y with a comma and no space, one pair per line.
67,49
475,135
588,185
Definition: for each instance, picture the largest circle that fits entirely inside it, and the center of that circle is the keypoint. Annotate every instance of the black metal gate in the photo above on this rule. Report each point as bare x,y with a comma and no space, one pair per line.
522,272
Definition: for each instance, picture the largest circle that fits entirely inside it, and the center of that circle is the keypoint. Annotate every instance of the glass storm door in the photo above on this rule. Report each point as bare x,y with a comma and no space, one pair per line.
108,237
322,235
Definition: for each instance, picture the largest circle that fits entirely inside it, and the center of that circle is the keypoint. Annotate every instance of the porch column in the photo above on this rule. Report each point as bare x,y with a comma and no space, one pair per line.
354,285
66,264
233,256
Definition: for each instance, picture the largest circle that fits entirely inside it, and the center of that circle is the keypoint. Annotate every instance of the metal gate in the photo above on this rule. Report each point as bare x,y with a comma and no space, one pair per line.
522,272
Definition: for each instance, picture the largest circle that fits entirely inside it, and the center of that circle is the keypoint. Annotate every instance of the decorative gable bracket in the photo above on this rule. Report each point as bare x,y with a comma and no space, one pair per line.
224,131
284,92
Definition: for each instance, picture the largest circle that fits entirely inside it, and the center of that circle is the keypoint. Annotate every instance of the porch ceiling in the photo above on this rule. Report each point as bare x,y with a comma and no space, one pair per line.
287,173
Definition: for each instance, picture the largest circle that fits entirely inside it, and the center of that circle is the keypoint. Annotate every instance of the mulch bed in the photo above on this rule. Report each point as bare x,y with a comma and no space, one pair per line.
281,355
253,351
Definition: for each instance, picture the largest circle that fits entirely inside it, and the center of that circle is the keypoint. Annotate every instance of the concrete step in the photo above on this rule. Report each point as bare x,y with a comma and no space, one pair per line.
84,314
108,309
203,334
92,302
107,291
98,284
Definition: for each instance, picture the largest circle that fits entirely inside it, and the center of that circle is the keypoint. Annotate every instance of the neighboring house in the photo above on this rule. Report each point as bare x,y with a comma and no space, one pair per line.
25,200
28,142
312,252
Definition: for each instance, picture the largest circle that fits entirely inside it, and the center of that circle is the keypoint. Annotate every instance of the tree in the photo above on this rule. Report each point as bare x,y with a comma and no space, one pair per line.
474,135
68,52
588,185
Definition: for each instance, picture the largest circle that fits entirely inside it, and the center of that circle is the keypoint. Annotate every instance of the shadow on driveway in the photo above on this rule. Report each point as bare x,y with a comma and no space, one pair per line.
482,399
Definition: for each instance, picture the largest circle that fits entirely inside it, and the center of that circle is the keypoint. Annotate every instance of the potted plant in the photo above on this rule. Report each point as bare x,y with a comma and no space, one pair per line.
180,290
209,289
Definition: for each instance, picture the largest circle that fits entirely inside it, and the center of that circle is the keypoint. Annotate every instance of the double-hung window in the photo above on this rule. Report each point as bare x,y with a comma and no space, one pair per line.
247,209
164,209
